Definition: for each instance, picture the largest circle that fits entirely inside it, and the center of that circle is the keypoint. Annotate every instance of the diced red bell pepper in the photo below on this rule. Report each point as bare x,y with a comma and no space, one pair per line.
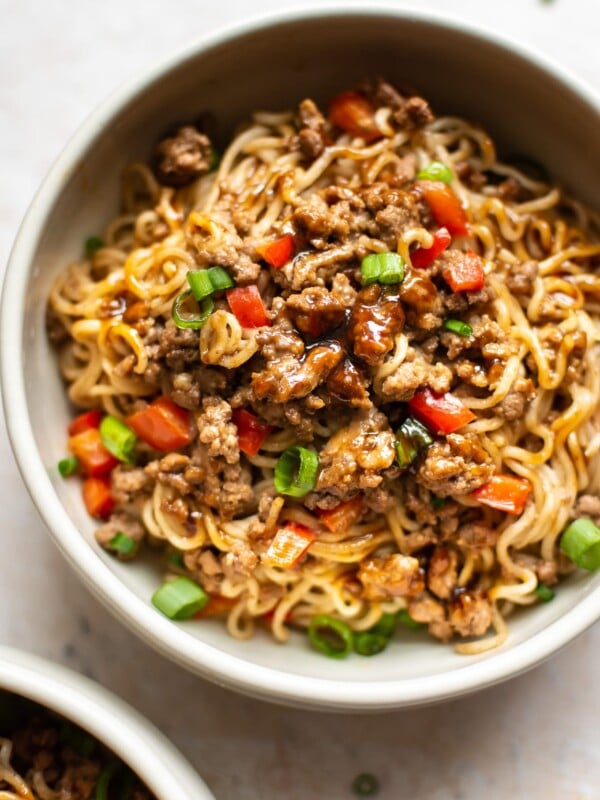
465,274
97,497
94,458
248,307
505,493
279,252
445,206
442,413
251,431
163,425
353,113
89,419
342,516
288,546
424,256
217,604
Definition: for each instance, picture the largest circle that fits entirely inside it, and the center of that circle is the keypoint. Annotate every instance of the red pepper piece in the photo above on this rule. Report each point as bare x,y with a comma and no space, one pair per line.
505,493
424,256
442,413
251,431
248,307
163,425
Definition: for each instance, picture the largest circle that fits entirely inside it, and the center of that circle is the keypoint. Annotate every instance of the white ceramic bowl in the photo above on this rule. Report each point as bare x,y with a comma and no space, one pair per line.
129,735
529,105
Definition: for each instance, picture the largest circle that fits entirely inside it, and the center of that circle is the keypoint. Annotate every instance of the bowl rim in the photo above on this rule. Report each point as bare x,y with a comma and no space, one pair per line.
131,736
171,639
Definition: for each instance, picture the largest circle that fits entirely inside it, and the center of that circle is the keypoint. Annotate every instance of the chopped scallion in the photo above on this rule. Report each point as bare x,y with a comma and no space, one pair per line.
187,321
386,268
367,643
67,466
437,502
411,438
179,599
176,559
79,741
405,618
365,785
330,636
385,626
92,243
215,160
581,543
118,438
122,544
458,326
296,471
436,171
544,592
101,791
204,282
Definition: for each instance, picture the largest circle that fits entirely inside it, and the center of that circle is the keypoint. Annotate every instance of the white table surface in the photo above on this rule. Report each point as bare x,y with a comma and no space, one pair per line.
537,736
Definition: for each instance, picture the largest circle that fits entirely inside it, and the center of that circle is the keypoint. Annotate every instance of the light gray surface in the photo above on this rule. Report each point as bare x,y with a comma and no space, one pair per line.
535,736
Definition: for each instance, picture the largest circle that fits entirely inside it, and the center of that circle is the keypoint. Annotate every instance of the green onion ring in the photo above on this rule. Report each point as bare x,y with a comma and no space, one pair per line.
206,310
436,171
118,438
330,636
581,543
179,599
296,471
458,326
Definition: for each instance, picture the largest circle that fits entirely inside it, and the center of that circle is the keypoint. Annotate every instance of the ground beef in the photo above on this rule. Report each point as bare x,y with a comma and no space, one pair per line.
127,483
348,384
393,576
422,301
442,572
183,157
457,465
427,610
354,458
315,311
377,317
470,614
474,535
217,431
322,222
546,571
521,276
415,113
311,136
239,561
226,488
57,333
415,373
121,522
228,250
587,505
520,395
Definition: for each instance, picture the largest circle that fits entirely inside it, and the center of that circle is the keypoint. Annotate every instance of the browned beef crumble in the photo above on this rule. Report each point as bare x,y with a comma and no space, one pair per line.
183,157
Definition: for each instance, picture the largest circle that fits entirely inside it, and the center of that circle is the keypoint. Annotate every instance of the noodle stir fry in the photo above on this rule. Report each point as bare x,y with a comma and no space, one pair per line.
347,377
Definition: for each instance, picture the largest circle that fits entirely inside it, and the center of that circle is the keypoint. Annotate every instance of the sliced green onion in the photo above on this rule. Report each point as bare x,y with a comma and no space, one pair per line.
330,636
200,283
367,643
405,618
176,559
457,326
79,741
122,544
118,438
195,322
101,792
385,626
411,438
296,471
581,543
384,268
127,784
215,160
220,278
67,466
180,598
92,243
436,171
437,502
203,282
544,592
365,785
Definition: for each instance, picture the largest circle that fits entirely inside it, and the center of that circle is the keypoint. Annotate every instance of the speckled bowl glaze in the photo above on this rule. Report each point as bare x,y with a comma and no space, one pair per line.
129,735
529,105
